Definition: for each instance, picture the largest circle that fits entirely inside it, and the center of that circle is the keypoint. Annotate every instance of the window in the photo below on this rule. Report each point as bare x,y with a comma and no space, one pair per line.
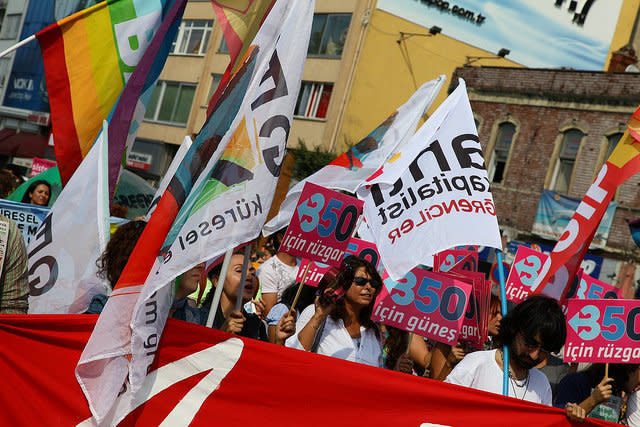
313,100
612,142
4,70
328,34
10,26
566,161
223,48
215,81
192,38
171,102
506,131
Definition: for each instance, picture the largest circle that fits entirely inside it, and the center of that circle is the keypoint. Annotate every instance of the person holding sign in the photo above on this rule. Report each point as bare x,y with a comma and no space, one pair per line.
339,323
532,330
227,319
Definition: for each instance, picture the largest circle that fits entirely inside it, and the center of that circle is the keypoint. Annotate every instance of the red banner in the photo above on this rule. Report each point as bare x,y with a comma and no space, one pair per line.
230,381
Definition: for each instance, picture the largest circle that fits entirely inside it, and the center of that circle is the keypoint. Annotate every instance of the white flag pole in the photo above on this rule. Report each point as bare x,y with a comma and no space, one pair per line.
243,276
17,45
218,293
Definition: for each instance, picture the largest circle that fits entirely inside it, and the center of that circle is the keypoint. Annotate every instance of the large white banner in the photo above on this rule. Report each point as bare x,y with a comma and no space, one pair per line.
63,253
227,205
435,194
349,170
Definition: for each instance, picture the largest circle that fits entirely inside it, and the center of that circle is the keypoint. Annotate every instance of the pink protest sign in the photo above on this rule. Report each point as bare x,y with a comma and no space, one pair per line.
358,247
475,324
315,273
524,270
587,287
322,224
603,331
40,165
425,303
446,260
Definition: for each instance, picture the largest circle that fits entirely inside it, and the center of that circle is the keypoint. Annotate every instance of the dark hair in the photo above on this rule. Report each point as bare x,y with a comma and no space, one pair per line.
7,183
620,372
26,198
396,344
306,298
535,315
345,278
116,254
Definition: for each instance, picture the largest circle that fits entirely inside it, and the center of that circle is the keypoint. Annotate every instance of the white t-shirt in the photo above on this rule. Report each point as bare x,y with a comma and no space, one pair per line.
336,341
276,276
633,410
480,370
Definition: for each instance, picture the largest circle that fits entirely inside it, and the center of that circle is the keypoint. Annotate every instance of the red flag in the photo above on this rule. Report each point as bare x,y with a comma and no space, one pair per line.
567,255
203,376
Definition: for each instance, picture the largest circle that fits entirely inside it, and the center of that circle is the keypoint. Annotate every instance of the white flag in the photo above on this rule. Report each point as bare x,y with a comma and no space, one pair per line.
350,169
63,255
223,197
435,194
168,176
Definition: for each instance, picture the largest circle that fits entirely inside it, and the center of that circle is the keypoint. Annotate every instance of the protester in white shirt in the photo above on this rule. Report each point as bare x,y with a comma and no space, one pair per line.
277,273
532,330
339,323
633,410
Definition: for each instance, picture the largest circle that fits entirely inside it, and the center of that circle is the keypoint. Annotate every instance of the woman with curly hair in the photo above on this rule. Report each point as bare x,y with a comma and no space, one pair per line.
38,193
114,258
339,323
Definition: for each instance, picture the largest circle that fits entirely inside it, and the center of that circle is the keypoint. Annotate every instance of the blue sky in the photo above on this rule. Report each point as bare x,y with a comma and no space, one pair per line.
536,32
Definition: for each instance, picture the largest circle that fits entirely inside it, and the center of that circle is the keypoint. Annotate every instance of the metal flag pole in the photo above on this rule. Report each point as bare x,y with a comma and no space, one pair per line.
503,306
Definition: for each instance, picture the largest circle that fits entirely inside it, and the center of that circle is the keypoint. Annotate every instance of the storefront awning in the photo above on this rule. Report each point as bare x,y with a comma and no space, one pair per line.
22,144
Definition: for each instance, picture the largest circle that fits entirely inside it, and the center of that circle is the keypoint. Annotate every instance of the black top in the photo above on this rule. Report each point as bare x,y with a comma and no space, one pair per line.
253,327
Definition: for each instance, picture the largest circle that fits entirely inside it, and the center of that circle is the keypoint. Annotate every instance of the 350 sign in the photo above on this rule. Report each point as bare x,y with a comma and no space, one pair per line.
424,303
322,224
603,331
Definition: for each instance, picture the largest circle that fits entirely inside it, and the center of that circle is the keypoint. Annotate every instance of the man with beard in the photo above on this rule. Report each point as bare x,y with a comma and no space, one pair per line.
532,330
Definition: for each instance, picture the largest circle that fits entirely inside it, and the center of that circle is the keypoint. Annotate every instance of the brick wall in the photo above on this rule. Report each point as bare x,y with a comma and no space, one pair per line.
543,102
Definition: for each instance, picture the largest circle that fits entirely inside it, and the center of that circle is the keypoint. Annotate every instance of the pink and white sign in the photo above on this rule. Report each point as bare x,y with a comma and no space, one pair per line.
322,225
587,287
603,331
425,303
446,260
476,318
40,165
524,271
358,247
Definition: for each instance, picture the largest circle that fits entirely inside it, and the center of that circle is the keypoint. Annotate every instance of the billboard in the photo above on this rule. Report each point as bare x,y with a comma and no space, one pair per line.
26,88
539,33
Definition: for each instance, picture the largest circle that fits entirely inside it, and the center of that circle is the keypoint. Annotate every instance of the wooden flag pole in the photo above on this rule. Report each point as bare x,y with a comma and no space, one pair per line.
304,279
606,370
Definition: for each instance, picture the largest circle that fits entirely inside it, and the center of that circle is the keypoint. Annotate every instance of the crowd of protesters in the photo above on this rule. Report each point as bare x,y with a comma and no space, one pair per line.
334,320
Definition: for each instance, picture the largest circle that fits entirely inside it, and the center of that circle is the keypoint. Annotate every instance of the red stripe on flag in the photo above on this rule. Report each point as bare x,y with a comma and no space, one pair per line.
150,242
65,137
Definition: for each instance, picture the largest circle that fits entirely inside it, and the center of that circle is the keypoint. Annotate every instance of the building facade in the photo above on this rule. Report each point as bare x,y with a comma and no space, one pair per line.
553,130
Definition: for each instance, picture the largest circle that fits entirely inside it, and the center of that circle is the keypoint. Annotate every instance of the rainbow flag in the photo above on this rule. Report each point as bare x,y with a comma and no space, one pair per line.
240,21
88,58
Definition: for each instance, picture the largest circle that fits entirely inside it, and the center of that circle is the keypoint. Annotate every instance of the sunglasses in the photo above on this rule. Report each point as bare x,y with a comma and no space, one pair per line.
533,345
362,281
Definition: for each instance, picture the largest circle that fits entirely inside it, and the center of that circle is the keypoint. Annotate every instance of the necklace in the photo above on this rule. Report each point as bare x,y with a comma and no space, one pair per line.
514,381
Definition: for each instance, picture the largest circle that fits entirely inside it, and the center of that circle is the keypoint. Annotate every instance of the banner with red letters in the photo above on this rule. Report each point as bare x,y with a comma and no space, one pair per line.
203,376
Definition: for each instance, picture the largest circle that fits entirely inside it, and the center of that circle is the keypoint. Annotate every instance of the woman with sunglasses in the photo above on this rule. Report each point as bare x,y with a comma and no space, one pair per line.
339,323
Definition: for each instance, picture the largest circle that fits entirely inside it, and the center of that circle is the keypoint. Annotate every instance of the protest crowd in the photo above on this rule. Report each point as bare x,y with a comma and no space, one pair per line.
369,260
